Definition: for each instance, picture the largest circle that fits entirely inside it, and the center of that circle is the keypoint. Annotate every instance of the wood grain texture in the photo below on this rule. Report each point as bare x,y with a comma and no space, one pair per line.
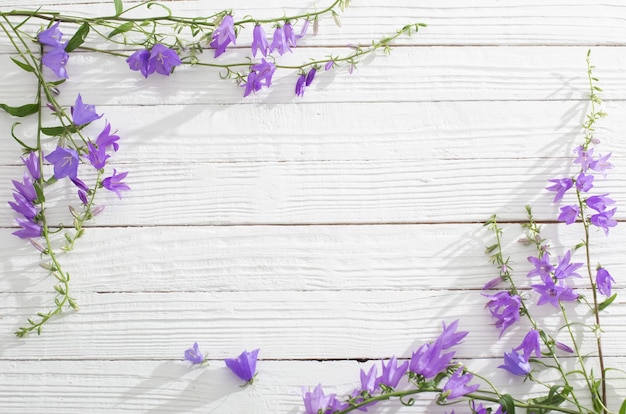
450,22
174,387
355,324
412,74
365,131
332,230
421,191
291,258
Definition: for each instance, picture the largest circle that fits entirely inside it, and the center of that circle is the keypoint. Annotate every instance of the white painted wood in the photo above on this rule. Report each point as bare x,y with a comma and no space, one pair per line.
337,227
291,258
339,324
333,132
409,75
420,191
450,22
170,386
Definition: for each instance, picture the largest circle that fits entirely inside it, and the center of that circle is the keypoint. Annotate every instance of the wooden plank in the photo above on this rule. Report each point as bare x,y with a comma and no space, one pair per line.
284,258
172,386
451,22
411,74
327,192
335,131
285,324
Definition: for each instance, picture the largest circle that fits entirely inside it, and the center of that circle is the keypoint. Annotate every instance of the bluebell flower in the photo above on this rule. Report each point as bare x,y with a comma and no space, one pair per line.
194,355
244,366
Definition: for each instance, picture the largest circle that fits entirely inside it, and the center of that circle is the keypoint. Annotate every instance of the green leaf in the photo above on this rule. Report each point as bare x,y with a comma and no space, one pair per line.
119,8
26,66
121,29
622,409
507,403
57,131
19,141
78,38
607,302
21,111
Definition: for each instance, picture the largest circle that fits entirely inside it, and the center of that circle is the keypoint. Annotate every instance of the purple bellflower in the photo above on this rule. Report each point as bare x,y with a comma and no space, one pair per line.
260,75
114,183
565,268
505,308
23,206
316,401
584,158
162,60
457,385
223,35
601,164
139,61
290,36
603,281
560,186
300,85
515,363
65,161
564,347
604,220
280,43
56,59
428,361
244,366
584,182
530,344
449,337
105,139
543,268
329,65
97,156
259,41
392,372
194,355
26,188
569,214
29,229
83,114
32,165
599,202
553,293
51,36
369,386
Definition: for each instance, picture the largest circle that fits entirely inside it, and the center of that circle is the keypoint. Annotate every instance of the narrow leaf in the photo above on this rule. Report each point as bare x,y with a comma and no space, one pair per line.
622,409
57,131
19,141
27,67
607,302
78,38
119,8
121,29
507,403
21,111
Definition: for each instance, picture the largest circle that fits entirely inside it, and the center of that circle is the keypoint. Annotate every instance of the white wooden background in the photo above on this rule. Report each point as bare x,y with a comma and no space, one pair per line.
331,230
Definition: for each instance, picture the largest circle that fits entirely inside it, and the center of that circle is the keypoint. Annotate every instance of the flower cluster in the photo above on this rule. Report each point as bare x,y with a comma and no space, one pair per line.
160,59
429,366
55,57
161,44
26,201
582,183
244,366
73,148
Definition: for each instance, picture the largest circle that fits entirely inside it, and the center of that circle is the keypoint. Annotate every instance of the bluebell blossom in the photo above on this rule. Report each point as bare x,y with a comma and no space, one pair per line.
244,366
